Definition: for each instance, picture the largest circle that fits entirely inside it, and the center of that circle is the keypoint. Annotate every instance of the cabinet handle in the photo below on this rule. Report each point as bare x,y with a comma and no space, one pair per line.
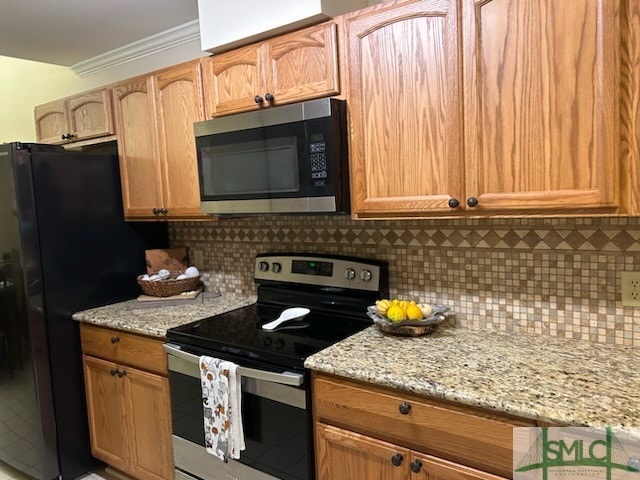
113,372
415,466
115,339
156,211
397,459
64,136
269,98
121,374
454,202
71,135
404,408
164,211
472,201
258,99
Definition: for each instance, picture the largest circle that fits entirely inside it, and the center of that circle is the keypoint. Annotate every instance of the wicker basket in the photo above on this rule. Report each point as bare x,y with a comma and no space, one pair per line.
169,287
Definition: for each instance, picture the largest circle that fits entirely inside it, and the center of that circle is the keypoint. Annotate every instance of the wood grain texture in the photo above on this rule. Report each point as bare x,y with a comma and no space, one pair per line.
344,455
179,103
130,349
541,113
140,169
106,412
302,65
405,112
91,114
234,78
149,425
630,105
434,468
51,122
467,436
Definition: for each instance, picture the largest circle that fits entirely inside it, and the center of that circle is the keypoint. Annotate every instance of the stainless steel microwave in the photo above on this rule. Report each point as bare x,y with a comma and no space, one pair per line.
288,159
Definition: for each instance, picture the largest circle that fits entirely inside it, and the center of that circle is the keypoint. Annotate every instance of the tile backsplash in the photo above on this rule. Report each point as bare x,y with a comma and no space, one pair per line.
554,276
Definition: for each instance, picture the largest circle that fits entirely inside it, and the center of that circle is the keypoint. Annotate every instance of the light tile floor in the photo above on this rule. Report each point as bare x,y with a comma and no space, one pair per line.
8,473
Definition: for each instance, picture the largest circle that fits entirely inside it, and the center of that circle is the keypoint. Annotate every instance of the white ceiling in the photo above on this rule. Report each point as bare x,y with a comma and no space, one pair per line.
66,32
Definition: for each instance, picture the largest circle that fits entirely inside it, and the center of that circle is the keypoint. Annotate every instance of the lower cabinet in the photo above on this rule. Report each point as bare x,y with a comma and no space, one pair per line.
364,431
129,411
345,455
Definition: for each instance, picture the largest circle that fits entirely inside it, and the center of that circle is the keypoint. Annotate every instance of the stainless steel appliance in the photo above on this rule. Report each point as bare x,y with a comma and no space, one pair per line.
288,159
64,247
276,403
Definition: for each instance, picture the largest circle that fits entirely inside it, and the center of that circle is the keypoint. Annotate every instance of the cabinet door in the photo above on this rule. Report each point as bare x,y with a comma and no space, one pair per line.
404,102
178,93
541,104
233,79
426,467
149,425
106,410
90,114
51,122
137,147
344,455
302,65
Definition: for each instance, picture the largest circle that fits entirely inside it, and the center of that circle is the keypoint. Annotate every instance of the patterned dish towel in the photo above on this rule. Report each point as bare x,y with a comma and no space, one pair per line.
221,400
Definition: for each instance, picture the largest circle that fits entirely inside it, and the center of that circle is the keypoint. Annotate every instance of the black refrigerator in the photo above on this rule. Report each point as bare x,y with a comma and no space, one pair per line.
64,247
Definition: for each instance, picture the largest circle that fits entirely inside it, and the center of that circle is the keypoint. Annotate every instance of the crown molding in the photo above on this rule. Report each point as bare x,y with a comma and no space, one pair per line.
174,37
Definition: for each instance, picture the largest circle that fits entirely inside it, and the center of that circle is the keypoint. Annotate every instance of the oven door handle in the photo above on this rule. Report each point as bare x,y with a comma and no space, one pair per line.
285,378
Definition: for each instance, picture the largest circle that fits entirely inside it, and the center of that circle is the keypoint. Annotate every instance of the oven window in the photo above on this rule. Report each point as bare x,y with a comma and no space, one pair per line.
278,436
252,167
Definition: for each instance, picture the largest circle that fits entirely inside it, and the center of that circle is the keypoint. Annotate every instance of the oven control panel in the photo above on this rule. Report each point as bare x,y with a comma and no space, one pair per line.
339,272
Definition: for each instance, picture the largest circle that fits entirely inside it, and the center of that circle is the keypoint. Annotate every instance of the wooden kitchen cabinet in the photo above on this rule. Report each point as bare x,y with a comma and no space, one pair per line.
345,455
404,97
532,90
156,143
290,68
80,117
361,428
128,405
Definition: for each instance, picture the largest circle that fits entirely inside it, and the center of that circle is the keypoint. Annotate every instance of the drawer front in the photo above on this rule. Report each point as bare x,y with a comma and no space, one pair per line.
451,432
124,348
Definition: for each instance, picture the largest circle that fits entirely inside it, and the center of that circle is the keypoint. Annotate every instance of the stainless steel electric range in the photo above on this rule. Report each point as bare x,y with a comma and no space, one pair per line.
276,402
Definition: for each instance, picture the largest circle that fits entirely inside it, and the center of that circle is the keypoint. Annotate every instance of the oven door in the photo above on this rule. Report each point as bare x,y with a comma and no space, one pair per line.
275,416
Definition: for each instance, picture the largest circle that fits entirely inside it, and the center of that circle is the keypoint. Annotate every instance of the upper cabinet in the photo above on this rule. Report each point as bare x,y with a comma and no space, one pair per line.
404,108
80,117
522,117
294,67
541,104
156,144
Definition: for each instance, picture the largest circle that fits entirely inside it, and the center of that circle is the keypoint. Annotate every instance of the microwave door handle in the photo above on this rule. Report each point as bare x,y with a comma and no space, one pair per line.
285,378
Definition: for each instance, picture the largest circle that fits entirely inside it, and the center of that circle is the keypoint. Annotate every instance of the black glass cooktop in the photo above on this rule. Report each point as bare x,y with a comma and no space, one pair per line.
239,333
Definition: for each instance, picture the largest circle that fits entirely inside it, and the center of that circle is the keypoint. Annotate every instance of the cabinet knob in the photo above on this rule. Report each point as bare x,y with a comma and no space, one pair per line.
115,339
113,372
269,98
397,459
121,373
404,408
156,211
415,466
71,135
258,99
64,136
472,201
164,211
454,202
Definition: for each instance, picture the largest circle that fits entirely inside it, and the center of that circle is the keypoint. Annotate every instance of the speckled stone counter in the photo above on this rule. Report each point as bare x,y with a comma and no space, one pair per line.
156,321
543,378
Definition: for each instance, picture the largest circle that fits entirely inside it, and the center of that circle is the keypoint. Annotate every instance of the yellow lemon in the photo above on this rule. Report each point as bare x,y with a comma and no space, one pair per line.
396,313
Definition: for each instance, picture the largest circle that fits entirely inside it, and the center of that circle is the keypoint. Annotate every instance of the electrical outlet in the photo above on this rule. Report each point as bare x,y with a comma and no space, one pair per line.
197,260
630,289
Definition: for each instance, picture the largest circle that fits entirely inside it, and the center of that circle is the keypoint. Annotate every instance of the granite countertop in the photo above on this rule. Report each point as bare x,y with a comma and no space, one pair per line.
155,321
543,378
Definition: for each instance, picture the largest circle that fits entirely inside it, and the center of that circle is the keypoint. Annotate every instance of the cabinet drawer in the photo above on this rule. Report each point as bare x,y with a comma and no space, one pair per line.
125,348
470,437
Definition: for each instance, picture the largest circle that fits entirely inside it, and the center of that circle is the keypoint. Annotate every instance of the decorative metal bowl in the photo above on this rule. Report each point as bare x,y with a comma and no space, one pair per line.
410,328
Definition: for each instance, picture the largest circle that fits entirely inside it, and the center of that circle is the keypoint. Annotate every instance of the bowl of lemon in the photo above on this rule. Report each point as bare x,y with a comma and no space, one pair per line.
407,318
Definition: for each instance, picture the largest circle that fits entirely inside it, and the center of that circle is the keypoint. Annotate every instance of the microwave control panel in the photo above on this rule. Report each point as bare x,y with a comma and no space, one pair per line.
318,156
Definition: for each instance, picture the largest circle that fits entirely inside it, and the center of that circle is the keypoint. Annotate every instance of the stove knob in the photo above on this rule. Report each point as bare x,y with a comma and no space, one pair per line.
365,275
264,266
349,274
276,267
